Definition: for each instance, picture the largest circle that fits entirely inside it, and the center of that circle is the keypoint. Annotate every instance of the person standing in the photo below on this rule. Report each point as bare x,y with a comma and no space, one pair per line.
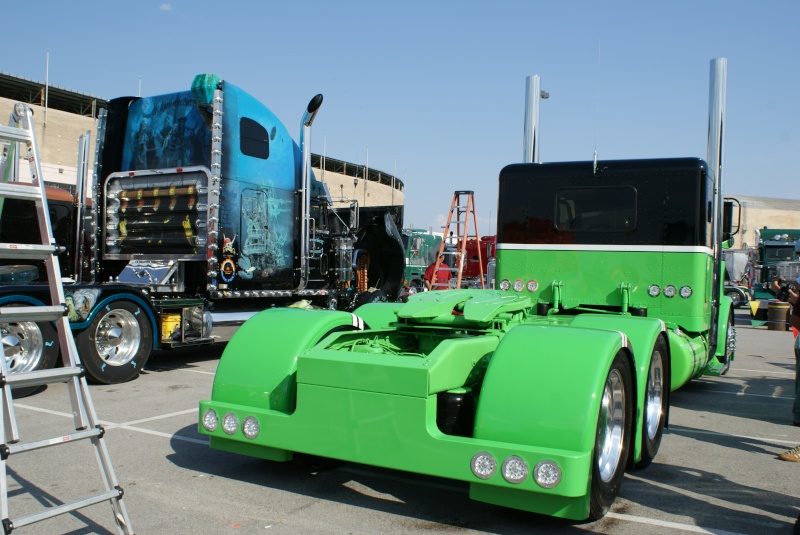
443,275
793,455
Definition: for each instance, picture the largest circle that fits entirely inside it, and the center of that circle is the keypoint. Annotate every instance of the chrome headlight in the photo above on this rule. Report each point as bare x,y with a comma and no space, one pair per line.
515,470
686,292
483,465
654,290
670,291
505,285
532,285
230,423
518,285
250,427
210,420
547,474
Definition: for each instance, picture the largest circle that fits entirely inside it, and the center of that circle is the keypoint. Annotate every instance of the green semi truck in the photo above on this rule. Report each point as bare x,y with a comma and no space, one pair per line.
538,394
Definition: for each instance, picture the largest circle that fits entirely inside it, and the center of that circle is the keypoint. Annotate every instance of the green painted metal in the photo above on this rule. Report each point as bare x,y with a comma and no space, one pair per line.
377,315
527,366
261,366
610,271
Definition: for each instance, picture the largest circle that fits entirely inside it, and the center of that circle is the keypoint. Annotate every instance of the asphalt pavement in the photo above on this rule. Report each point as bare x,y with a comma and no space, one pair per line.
716,473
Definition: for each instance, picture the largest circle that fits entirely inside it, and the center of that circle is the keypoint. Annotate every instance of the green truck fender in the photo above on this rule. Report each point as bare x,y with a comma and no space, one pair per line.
377,315
259,364
643,334
543,386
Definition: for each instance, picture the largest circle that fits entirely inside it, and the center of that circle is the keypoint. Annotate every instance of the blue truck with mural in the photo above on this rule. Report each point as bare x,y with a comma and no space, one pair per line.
199,199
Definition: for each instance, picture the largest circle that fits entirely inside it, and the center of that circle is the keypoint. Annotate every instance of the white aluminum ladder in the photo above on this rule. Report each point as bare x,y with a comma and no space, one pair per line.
463,208
21,132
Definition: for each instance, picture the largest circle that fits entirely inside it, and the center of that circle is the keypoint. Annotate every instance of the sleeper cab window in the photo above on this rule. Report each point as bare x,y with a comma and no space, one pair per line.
254,139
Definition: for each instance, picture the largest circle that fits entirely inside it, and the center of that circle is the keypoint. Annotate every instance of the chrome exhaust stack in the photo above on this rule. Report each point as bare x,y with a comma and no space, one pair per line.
305,210
530,132
714,159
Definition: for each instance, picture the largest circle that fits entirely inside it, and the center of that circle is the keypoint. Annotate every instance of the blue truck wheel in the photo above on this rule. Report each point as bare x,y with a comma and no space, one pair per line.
116,345
28,346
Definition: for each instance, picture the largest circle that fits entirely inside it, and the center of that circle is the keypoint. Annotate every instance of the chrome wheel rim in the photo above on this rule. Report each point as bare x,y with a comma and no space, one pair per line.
117,337
23,346
611,426
654,395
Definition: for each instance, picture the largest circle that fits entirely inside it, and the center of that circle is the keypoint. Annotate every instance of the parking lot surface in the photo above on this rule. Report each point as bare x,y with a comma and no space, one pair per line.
716,472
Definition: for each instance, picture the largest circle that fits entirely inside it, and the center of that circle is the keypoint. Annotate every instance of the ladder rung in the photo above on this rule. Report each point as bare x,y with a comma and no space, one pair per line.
27,250
17,190
54,441
40,313
44,377
12,133
50,512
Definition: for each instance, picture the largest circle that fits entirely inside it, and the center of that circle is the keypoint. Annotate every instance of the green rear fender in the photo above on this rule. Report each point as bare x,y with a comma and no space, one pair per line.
378,315
259,363
642,334
543,387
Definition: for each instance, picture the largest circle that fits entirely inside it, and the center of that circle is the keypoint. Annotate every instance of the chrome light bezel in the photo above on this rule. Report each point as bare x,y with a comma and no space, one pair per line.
514,470
210,420
230,423
250,427
483,465
549,479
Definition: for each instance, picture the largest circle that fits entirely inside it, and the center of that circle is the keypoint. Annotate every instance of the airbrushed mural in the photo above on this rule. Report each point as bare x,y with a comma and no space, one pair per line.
260,176
165,131
260,173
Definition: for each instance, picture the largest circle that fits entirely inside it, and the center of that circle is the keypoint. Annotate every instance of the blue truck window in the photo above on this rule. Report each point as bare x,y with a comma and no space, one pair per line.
254,139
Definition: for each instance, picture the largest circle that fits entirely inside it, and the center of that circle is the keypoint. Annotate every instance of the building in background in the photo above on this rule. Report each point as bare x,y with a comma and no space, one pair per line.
61,116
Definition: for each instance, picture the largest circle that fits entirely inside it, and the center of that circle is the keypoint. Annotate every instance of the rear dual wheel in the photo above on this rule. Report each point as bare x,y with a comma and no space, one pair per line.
117,344
655,404
613,436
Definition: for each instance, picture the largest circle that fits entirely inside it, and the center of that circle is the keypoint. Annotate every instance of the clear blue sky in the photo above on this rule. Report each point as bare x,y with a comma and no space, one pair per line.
435,90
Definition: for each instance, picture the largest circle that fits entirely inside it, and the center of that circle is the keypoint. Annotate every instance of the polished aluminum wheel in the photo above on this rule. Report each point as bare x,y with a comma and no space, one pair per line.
654,396
117,337
611,426
23,346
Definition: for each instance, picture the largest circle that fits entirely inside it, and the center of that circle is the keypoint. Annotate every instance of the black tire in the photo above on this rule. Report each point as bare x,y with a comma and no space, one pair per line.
378,296
28,346
613,436
656,399
117,344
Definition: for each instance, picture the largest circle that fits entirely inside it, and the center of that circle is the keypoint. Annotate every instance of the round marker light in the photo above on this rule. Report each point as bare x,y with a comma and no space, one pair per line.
670,291
505,285
230,423
515,470
250,427
533,285
654,290
483,465
686,292
518,285
210,420
547,474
